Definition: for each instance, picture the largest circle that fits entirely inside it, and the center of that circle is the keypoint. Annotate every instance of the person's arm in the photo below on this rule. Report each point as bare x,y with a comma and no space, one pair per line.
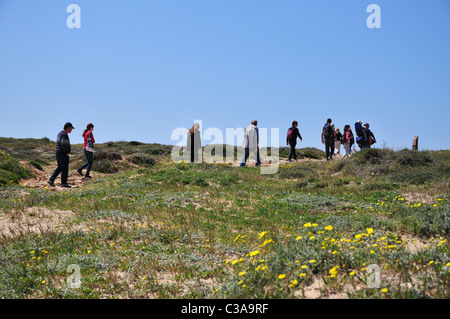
298,134
65,144
321,137
92,137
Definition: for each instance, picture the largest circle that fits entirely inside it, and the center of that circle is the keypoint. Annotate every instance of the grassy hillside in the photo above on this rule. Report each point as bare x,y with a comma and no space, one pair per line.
151,228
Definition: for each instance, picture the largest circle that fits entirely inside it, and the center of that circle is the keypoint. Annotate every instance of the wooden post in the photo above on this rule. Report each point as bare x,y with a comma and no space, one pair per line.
415,145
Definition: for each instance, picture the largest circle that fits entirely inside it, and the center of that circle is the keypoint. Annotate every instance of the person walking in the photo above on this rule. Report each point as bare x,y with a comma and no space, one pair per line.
328,138
63,150
89,142
338,141
194,143
346,139
291,139
251,143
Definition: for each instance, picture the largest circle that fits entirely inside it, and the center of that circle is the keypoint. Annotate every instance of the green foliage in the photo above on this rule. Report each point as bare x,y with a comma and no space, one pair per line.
10,169
142,159
105,166
111,156
295,171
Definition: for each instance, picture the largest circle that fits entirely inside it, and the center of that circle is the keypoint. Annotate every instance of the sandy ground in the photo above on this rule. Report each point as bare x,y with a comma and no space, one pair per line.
33,219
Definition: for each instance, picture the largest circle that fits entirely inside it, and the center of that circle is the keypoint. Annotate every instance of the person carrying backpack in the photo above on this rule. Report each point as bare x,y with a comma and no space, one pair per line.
328,138
370,137
361,135
291,139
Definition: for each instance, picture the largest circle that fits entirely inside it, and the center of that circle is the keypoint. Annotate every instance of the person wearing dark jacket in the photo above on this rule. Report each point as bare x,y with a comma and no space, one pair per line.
328,137
291,139
63,150
370,140
194,143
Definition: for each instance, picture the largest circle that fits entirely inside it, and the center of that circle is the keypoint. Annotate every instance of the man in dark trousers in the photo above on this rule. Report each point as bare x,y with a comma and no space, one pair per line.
62,156
328,138
291,139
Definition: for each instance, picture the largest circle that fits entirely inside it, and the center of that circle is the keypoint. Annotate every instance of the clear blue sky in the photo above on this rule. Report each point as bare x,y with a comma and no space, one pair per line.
139,69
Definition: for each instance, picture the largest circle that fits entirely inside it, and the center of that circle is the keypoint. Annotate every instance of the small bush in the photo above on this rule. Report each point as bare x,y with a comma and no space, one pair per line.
111,156
294,171
157,150
412,177
142,159
413,158
36,165
10,169
105,166
134,143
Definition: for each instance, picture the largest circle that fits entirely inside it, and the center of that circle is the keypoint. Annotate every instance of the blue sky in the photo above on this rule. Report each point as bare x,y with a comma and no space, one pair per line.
140,69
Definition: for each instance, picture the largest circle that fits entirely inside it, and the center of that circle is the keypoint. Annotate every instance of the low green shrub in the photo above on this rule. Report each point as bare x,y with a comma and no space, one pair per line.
10,169
142,159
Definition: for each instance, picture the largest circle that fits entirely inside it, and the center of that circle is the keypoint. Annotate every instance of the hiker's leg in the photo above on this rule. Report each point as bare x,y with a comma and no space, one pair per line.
64,168
346,148
327,148
85,164
245,157
258,159
57,170
292,153
90,159
332,144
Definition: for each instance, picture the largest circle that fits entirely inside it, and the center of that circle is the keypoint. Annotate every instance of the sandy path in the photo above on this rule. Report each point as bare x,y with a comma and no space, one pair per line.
41,178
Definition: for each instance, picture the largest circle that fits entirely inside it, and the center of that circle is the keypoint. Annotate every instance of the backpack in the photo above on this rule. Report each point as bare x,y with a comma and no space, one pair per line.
89,143
290,134
327,130
359,129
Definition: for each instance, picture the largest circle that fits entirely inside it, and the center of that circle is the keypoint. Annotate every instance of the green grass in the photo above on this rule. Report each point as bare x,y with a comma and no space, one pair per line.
177,230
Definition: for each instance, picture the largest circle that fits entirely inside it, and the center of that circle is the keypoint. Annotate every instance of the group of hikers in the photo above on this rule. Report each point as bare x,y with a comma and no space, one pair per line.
331,137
